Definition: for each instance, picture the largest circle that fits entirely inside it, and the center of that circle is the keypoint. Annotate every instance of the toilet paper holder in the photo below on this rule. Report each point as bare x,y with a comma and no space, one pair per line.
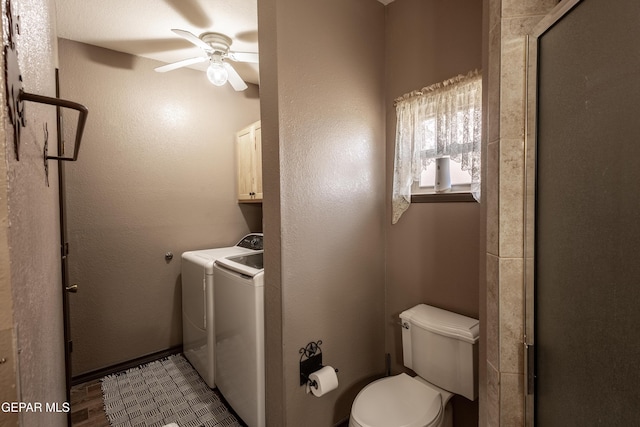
310,362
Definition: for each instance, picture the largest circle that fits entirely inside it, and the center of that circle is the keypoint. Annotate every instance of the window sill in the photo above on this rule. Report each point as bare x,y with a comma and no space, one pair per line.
442,198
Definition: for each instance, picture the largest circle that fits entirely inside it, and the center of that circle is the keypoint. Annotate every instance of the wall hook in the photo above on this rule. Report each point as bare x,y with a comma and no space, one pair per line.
16,96
63,103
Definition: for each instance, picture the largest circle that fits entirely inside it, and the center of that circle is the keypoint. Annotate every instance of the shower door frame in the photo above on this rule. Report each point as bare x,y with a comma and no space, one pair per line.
530,146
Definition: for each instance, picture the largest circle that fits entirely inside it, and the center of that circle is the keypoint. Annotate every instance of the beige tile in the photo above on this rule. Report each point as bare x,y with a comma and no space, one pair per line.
520,26
493,100
492,173
493,80
495,10
511,400
511,198
511,302
492,406
513,62
512,8
493,311
512,86
506,79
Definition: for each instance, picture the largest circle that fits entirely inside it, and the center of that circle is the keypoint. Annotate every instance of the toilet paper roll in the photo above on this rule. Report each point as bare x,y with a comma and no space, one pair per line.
325,381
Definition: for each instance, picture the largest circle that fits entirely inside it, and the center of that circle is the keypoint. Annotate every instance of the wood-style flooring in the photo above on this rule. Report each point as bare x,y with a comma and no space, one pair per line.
87,409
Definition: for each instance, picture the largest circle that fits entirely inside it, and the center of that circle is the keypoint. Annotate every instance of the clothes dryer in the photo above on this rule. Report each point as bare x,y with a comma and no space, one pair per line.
198,320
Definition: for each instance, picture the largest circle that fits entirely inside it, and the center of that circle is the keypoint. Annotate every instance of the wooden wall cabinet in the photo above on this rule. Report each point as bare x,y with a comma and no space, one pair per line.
249,157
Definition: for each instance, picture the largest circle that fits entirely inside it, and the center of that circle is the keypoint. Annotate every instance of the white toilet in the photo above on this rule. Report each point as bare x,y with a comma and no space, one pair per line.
441,347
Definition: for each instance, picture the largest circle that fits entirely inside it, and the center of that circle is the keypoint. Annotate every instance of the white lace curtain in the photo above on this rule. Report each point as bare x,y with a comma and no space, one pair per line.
444,119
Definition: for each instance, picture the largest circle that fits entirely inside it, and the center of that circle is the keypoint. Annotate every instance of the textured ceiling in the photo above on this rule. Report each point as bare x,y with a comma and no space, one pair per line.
143,27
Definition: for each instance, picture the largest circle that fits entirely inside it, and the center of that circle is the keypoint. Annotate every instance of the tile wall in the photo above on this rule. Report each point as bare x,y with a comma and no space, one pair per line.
509,22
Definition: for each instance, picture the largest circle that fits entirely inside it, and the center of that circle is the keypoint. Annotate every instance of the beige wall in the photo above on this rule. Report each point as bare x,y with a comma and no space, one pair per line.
29,242
509,21
433,252
156,174
290,120
323,126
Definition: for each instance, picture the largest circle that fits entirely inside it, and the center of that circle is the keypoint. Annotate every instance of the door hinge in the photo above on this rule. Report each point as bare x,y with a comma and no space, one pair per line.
65,250
530,379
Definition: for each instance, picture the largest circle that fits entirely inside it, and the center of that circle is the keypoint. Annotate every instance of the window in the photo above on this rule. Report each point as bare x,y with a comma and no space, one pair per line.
438,141
459,181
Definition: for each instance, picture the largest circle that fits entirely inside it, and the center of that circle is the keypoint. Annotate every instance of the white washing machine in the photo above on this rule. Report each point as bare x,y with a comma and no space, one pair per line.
198,331
239,313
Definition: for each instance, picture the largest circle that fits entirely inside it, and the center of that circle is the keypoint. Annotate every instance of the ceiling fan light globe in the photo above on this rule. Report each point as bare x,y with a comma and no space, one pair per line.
217,74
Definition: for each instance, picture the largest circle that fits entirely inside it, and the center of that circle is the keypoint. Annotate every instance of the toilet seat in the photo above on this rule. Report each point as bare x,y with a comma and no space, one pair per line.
398,401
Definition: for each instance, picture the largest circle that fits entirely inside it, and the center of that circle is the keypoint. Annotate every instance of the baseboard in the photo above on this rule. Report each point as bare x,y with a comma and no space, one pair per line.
123,366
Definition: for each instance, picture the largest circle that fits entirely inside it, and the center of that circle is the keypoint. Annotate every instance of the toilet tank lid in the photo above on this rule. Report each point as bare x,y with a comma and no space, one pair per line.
443,322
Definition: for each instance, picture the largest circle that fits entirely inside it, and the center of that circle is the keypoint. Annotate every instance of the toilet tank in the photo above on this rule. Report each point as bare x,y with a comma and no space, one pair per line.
442,348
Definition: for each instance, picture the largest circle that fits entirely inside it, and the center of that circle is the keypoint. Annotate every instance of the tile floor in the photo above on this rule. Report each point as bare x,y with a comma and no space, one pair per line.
86,405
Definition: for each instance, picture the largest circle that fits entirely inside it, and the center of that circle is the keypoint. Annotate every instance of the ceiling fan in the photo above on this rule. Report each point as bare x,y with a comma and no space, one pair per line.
216,47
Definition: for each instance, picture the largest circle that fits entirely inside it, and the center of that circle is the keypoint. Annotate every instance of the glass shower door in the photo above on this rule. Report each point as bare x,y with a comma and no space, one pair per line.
583,251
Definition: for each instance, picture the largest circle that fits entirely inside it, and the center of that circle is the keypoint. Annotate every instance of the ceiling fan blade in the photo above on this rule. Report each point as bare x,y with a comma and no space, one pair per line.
192,38
180,64
192,11
243,57
234,78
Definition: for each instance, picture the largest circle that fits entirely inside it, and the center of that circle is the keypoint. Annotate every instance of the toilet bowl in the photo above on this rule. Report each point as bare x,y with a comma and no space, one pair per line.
441,348
401,401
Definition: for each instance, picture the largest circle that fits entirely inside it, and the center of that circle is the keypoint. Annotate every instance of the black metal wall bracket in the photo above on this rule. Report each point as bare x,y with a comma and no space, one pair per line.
310,360
63,103
16,96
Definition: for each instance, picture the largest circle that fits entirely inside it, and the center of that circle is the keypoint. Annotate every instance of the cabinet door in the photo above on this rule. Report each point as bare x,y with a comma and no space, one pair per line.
245,149
257,162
